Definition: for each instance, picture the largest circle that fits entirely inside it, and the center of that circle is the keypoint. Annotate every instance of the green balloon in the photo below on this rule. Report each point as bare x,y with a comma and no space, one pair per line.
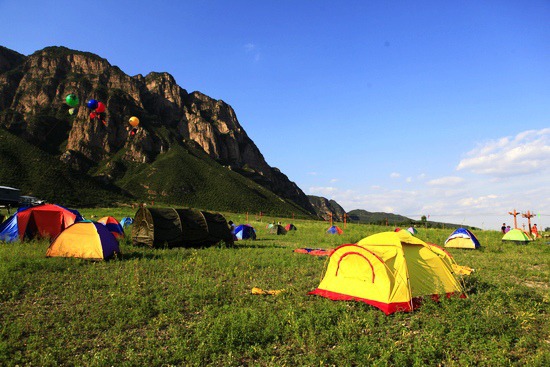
72,100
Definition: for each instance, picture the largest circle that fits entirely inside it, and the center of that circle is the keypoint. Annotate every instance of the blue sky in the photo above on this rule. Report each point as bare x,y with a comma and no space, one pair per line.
433,108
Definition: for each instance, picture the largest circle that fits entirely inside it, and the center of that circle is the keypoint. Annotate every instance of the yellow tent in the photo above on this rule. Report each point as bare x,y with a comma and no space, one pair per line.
391,271
86,240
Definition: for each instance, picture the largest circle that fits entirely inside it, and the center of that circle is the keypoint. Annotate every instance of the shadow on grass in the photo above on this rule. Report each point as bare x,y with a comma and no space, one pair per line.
137,255
472,285
251,245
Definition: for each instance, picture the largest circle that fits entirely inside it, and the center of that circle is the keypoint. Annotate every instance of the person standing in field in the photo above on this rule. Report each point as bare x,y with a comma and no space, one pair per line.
503,228
535,231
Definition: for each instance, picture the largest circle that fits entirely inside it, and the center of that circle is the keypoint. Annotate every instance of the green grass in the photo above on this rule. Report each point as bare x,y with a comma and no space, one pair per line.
194,307
203,183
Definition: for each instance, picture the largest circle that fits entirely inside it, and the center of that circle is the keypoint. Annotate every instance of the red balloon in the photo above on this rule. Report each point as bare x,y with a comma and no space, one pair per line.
92,115
100,107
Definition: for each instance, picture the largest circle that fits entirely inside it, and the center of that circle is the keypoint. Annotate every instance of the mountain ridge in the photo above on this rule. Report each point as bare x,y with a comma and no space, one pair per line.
32,108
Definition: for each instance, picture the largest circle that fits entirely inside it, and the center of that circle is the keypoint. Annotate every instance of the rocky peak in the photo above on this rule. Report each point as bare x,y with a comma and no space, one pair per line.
324,208
32,93
9,59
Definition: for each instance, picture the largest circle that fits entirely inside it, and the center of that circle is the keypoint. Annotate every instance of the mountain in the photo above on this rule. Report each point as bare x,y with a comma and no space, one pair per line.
189,150
324,208
363,216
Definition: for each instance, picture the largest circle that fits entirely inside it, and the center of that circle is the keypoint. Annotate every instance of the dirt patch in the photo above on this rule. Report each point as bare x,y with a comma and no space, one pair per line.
539,285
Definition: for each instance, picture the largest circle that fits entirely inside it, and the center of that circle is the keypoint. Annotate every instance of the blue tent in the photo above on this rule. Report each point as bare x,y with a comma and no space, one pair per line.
244,232
462,238
9,231
126,221
335,230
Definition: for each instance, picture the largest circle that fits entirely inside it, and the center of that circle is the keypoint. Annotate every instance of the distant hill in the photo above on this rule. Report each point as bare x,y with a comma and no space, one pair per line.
189,150
325,207
363,216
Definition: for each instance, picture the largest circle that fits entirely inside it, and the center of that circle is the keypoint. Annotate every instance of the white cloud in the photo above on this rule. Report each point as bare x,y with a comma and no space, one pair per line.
526,153
478,196
446,181
480,202
252,49
322,191
334,180
312,173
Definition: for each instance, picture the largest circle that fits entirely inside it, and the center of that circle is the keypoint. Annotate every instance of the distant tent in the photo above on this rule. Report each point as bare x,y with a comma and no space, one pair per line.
113,226
126,221
462,238
46,220
277,229
517,236
290,227
157,227
412,230
244,232
391,271
86,240
334,230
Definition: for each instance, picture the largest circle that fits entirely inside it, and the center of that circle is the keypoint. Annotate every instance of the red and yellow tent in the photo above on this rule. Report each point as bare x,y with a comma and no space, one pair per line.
391,271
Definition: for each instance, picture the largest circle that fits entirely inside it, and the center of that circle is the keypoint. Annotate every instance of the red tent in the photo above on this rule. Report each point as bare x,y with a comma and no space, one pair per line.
46,220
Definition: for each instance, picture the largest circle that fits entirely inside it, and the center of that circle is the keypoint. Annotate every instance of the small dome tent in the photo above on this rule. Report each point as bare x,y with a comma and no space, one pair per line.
412,230
244,232
157,227
516,236
277,229
462,238
391,271
113,226
126,221
85,240
334,230
45,220
290,227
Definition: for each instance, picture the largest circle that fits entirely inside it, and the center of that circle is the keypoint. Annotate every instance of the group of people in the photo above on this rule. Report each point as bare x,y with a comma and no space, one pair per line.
534,229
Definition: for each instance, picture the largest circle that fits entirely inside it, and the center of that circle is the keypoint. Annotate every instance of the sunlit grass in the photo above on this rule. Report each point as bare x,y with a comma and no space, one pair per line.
194,307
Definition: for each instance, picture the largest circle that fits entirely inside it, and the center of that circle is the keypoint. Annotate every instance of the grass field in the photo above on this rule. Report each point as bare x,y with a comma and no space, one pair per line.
194,307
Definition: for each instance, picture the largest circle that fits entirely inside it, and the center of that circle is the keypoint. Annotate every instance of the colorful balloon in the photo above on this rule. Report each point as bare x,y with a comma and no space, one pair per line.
100,107
134,121
93,115
72,100
92,104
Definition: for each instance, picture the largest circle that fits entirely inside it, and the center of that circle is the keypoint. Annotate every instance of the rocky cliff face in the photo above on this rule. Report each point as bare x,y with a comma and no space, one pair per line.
324,208
32,93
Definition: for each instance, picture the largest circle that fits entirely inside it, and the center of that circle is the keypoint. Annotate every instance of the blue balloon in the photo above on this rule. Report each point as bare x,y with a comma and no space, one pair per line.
92,104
